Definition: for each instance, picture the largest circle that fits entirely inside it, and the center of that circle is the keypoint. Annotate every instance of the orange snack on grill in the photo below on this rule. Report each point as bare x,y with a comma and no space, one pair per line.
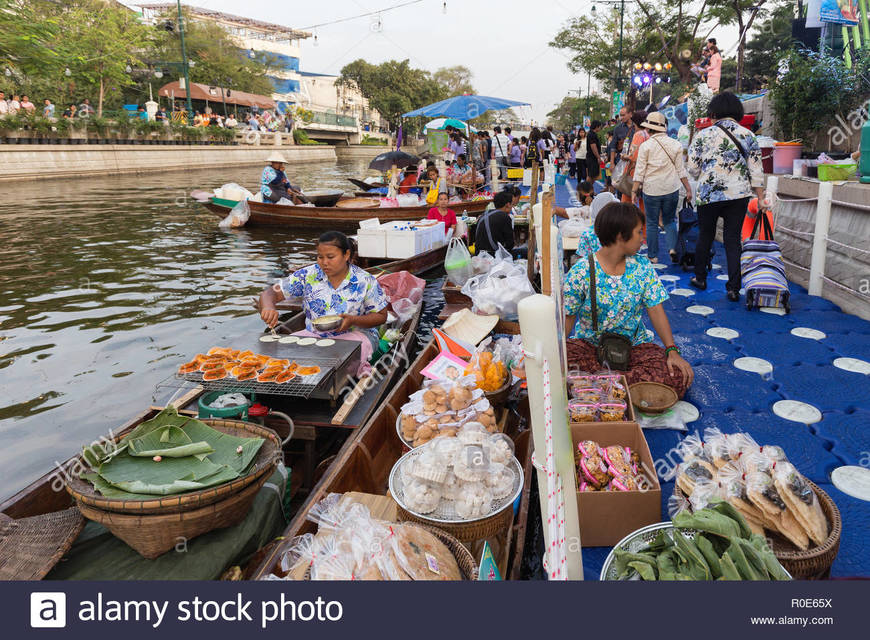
275,361
247,375
267,377
215,374
285,376
308,371
210,365
222,351
241,369
293,367
189,367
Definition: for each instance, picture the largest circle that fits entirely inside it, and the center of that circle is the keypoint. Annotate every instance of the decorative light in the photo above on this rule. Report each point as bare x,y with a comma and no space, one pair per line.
158,74
647,66
128,69
638,65
8,72
658,66
658,79
668,66
67,72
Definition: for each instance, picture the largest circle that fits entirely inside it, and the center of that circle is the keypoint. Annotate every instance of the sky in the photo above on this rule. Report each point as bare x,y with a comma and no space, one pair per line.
503,42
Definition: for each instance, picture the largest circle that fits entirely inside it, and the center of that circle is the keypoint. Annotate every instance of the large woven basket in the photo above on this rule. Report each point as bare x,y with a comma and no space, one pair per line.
468,532
152,535
30,547
814,563
84,492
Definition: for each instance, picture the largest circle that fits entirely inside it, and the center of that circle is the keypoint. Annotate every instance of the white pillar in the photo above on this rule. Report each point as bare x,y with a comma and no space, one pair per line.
541,339
820,238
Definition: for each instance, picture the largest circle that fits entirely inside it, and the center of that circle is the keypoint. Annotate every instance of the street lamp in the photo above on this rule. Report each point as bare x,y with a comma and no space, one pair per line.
621,4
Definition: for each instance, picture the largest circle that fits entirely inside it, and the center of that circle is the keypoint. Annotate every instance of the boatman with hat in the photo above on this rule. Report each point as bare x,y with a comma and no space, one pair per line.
274,184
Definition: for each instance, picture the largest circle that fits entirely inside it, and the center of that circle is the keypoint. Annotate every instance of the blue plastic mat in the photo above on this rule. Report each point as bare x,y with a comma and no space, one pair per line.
732,400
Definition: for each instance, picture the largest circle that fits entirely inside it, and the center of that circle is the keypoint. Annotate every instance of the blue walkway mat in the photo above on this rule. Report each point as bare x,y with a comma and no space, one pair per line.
824,386
852,559
784,349
849,433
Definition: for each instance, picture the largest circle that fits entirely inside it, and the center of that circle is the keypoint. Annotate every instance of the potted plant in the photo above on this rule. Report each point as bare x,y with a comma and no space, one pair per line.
100,126
42,128
10,128
62,128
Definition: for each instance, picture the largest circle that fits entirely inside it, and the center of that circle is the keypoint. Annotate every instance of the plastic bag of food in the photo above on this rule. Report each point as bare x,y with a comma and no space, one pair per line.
457,263
762,492
670,419
237,217
802,501
487,367
572,228
302,551
482,262
706,494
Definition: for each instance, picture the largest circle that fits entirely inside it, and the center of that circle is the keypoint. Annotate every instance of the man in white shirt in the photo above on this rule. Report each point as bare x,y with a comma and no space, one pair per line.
4,107
658,173
500,148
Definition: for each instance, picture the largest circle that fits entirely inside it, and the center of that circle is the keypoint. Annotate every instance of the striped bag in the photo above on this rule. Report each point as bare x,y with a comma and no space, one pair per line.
763,271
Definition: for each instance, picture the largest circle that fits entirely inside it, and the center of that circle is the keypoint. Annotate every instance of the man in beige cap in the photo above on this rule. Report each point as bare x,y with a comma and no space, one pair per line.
658,174
274,184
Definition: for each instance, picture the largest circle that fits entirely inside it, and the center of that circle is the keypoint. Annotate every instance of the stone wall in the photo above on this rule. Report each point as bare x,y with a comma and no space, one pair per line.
23,162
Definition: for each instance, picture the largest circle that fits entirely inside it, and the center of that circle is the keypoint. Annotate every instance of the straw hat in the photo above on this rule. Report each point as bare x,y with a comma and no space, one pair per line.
656,121
277,157
467,326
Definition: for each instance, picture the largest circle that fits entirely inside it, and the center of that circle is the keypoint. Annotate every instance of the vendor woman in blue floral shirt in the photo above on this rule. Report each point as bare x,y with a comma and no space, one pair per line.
626,284
333,286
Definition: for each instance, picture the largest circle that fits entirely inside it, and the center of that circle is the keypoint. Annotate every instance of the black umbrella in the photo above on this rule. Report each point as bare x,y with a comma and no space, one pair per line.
385,161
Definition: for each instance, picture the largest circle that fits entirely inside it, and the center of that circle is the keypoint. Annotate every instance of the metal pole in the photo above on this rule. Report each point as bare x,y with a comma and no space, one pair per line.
820,239
621,22
185,65
588,89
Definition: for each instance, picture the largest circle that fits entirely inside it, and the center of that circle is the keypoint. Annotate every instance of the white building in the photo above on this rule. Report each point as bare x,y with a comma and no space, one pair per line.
320,94
276,40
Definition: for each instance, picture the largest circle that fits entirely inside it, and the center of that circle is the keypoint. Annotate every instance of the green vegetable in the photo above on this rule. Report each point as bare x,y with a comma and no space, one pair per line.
754,558
646,571
623,558
747,572
729,510
698,568
667,565
706,548
774,568
729,570
708,521
660,543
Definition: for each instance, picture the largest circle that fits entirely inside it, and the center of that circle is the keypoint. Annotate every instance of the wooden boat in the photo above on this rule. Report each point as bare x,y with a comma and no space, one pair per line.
365,186
42,497
364,464
339,218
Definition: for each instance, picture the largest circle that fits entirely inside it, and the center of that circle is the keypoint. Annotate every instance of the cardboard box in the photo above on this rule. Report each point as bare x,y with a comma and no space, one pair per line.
629,409
606,517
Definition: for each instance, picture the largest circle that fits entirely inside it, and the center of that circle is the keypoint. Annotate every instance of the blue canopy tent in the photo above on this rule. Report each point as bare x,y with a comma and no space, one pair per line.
464,107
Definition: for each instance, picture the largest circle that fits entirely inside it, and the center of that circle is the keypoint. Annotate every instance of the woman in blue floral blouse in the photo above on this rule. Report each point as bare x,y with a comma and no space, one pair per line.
333,286
626,284
726,160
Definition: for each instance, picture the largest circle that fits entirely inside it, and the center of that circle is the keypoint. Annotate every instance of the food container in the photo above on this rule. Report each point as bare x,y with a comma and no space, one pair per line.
327,323
612,412
583,411
586,395
838,171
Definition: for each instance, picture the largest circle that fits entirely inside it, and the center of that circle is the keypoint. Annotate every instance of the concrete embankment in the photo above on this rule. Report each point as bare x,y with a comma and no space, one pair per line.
367,151
25,162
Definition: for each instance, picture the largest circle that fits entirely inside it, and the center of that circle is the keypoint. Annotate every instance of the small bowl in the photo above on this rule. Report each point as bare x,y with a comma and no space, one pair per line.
327,323
652,397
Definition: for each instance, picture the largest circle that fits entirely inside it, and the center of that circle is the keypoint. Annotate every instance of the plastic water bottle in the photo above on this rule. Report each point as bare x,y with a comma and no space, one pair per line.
464,214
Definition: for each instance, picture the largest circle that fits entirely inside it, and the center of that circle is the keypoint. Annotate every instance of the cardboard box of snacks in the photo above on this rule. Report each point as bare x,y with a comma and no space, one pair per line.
629,409
606,517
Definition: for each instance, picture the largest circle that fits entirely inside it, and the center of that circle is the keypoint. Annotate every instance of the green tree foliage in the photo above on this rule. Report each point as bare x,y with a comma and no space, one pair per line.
25,37
771,39
571,110
455,80
743,14
218,60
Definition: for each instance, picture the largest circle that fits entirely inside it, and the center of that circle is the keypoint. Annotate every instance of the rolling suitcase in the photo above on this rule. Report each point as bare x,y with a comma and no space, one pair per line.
763,271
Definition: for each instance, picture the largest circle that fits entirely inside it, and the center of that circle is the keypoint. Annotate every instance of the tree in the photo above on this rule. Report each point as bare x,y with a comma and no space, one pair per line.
455,80
218,58
571,110
25,36
771,38
393,88
97,42
742,13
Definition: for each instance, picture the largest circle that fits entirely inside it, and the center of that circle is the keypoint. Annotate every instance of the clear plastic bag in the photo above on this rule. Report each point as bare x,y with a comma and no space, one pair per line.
499,291
238,217
457,263
668,420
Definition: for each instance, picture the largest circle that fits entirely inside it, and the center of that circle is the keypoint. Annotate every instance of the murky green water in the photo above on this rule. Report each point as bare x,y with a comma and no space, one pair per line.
107,285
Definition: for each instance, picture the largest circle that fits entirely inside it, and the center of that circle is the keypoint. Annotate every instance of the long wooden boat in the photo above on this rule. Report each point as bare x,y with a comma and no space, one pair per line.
339,218
364,464
41,496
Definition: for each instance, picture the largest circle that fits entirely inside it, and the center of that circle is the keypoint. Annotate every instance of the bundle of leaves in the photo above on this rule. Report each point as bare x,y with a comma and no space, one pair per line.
166,455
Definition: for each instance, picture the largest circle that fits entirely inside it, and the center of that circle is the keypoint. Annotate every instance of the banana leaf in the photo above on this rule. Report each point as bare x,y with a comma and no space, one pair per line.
167,417
168,441
623,558
747,572
729,570
667,565
774,568
754,558
727,509
698,567
708,521
706,548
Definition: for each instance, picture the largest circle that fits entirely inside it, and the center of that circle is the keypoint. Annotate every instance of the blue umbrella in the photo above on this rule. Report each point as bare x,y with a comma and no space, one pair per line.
464,107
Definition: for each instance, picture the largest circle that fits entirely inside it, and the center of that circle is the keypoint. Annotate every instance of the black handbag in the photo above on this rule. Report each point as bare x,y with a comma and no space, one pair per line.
613,349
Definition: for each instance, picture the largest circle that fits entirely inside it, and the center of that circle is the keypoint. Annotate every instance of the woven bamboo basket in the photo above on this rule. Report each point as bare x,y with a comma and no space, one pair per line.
30,547
814,563
658,397
84,492
152,535
498,398
467,532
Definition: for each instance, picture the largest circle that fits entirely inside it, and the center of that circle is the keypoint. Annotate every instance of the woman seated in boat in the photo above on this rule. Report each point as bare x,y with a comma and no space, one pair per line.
435,183
333,286
409,181
274,184
441,213
625,285
461,182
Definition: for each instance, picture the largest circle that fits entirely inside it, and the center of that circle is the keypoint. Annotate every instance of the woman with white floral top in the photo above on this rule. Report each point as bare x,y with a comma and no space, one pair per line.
726,160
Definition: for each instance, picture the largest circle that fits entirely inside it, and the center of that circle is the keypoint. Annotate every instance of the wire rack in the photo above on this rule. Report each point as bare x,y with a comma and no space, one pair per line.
299,387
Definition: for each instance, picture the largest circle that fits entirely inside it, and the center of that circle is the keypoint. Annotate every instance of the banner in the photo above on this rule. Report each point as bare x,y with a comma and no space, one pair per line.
618,102
435,142
814,8
839,11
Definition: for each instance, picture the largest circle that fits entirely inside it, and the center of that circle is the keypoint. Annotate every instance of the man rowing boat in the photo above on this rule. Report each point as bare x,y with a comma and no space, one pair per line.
274,184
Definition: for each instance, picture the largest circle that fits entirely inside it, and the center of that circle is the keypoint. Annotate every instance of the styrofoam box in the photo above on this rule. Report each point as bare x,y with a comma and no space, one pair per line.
372,243
404,244
371,223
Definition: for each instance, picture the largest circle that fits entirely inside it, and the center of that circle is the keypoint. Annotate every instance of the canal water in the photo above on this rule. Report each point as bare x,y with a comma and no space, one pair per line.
109,283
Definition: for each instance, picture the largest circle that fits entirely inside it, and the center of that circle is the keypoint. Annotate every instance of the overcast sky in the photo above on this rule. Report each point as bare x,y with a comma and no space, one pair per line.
516,64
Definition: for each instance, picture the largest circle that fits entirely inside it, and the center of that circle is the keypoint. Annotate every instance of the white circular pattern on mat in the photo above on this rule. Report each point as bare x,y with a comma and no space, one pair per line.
776,311
659,266
717,266
723,277
289,340
755,365
812,334
669,277
686,293
687,411
722,332
305,342
852,364
797,411
268,338
327,342
853,481
700,309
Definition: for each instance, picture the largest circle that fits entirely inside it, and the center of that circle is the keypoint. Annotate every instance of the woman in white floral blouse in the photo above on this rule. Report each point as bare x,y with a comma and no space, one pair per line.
726,160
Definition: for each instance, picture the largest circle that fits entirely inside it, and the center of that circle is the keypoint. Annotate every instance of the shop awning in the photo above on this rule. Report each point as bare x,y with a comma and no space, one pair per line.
213,94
